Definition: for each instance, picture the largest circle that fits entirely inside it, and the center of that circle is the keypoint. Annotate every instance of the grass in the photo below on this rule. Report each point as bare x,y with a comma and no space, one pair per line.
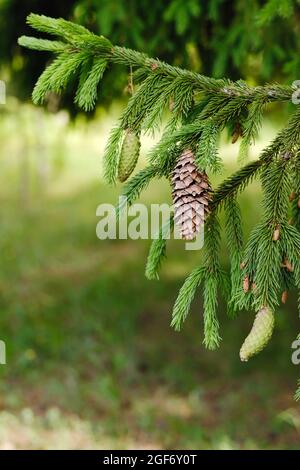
91,359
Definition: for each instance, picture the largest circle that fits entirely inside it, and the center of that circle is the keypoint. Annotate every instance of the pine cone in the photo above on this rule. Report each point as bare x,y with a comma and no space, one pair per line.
191,195
259,335
129,155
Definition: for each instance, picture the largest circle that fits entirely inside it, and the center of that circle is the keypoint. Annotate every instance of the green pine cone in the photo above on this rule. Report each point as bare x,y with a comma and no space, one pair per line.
259,335
129,155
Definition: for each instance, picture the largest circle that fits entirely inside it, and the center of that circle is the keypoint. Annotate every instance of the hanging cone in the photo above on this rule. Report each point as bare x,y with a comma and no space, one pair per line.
129,155
192,194
259,335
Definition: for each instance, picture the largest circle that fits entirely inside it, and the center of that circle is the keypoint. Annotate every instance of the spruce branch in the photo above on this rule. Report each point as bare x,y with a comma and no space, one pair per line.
87,91
136,185
185,297
207,157
234,234
252,124
212,280
112,154
43,44
195,110
79,40
158,250
288,138
236,182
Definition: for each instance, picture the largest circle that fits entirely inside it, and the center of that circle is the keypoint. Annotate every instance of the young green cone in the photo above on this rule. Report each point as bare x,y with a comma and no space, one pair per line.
259,335
129,155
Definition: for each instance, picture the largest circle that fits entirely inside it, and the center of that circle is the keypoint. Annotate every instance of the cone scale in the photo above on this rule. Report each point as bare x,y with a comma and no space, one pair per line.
191,193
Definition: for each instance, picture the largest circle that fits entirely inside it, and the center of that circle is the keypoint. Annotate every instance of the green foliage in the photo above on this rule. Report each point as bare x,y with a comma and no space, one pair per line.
158,250
112,154
218,38
212,280
137,184
207,156
185,297
234,234
182,13
252,123
87,91
201,108
74,59
57,75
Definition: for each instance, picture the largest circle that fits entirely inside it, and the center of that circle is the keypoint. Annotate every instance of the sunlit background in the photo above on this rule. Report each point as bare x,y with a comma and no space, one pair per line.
91,359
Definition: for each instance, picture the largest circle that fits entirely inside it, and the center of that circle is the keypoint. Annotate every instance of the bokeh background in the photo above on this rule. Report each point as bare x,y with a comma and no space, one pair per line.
91,359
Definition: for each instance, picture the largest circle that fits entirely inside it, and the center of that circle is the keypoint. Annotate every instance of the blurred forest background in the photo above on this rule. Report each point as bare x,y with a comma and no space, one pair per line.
91,359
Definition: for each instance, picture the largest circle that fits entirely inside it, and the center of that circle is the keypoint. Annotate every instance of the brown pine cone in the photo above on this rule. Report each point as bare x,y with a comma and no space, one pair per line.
192,194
